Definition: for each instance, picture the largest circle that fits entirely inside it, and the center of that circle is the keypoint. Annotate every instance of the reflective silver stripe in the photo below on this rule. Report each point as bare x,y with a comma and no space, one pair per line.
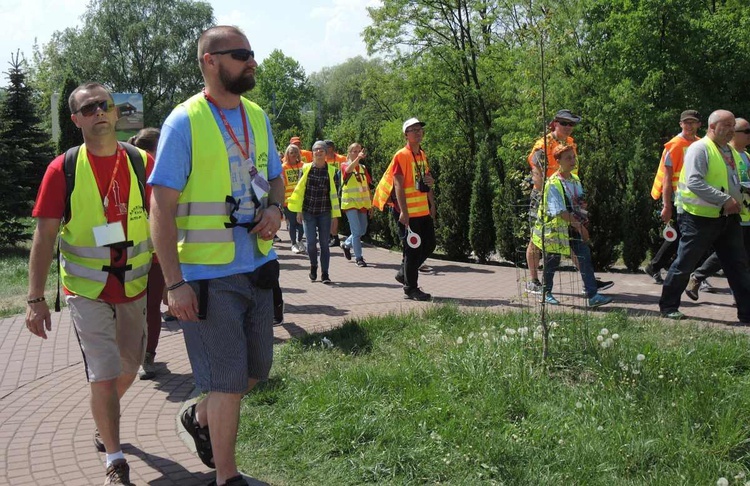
136,273
205,236
75,270
142,247
695,201
202,209
100,252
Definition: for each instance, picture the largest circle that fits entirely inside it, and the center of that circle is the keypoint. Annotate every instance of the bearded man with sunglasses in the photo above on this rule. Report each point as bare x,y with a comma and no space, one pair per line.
104,257
217,195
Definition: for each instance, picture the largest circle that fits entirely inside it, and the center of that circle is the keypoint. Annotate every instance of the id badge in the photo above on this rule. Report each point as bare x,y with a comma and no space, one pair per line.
259,183
109,233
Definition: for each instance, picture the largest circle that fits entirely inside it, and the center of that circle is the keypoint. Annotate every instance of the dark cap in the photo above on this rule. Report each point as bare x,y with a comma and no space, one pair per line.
329,143
690,115
567,115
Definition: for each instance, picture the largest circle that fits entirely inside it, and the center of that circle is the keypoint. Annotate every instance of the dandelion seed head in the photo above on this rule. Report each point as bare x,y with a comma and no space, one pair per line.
523,331
579,405
459,340
615,336
636,372
600,338
600,428
640,357
722,482
510,332
604,331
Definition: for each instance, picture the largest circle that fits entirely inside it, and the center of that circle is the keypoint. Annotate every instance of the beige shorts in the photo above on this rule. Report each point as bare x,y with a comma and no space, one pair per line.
112,336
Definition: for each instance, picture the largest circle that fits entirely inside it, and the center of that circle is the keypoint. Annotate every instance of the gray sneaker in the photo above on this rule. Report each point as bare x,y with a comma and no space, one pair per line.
148,368
534,287
118,473
707,287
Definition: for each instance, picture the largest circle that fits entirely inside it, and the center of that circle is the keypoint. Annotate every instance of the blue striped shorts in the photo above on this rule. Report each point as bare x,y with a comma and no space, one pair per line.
235,341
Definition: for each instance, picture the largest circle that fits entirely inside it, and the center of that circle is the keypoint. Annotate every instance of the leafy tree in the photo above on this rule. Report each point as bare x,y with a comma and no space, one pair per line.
283,91
481,224
70,135
24,153
141,46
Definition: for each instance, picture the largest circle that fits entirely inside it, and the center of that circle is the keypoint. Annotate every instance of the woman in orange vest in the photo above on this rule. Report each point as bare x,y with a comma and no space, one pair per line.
291,170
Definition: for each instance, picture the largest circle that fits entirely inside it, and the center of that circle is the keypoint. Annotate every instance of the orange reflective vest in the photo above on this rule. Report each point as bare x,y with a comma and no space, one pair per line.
676,149
413,166
291,174
552,143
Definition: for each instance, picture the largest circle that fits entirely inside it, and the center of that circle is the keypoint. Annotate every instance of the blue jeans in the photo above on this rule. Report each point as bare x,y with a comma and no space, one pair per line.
318,226
585,266
699,234
295,229
358,226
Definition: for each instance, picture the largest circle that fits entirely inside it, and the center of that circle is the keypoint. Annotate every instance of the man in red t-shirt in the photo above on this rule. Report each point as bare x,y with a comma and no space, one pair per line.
105,256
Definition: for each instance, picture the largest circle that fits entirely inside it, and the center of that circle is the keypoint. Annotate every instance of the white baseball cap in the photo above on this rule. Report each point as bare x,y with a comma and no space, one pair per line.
410,122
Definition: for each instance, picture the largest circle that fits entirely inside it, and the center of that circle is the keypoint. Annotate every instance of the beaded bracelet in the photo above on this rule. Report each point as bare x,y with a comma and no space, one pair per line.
36,301
177,285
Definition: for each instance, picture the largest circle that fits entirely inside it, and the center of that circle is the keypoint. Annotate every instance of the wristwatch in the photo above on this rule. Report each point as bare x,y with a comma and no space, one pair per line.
278,205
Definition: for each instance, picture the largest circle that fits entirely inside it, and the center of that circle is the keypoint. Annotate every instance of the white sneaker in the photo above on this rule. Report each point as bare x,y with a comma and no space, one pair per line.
295,249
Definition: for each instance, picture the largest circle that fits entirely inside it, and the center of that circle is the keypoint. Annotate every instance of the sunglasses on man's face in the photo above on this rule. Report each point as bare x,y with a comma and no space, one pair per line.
91,108
746,131
237,54
566,123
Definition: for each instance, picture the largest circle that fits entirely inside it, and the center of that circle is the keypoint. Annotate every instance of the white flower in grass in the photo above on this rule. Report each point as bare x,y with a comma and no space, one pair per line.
485,335
505,339
459,340
606,343
636,372
523,331
565,340
615,336
600,428
539,329
739,475
510,332
722,482
579,405
537,335
600,338
604,331
554,325
471,335
640,357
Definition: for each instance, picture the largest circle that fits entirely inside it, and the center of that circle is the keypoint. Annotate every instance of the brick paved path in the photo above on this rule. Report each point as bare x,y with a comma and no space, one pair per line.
46,427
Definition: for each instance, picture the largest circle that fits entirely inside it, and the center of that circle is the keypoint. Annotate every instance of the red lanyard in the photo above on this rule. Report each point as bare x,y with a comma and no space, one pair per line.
105,200
246,150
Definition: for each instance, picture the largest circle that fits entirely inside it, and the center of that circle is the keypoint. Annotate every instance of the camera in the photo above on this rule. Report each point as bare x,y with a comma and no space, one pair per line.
422,186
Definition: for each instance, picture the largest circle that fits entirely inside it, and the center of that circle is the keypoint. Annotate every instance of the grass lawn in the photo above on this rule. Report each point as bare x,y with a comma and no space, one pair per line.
14,280
447,397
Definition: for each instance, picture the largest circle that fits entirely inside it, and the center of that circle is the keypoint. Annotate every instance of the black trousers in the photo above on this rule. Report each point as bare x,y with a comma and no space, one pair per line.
415,257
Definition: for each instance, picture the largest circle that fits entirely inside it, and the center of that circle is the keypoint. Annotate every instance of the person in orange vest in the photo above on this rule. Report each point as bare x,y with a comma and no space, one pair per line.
560,130
407,185
291,171
305,155
665,187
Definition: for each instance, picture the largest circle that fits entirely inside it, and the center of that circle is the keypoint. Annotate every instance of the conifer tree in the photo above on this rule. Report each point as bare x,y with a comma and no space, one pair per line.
70,135
481,224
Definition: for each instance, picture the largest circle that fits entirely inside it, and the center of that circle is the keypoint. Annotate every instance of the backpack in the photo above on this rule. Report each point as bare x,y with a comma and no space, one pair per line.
69,169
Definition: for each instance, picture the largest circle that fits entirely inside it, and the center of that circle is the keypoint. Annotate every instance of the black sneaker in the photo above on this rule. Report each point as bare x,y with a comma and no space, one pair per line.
118,473
334,241
653,273
324,278
235,481
400,278
417,294
361,262
347,251
278,314
313,274
603,285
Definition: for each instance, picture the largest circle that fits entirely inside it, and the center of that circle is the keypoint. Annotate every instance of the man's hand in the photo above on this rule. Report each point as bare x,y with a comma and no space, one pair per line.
38,319
183,304
428,179
403,218
666,213
732,206
269,222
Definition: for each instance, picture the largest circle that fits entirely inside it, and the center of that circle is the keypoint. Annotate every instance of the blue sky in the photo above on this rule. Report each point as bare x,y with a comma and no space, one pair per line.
317,33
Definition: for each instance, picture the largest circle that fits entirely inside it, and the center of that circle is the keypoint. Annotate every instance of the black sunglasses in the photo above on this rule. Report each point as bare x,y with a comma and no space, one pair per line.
237,54
90,109
746,131
566,123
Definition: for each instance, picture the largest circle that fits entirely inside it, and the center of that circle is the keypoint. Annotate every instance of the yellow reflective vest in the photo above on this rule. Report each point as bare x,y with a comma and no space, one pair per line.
202,210
297,198
355,192
82,262
550,233
716,177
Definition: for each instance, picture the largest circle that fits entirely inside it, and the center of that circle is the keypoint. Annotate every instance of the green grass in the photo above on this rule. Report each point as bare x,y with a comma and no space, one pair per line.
454,398
14,280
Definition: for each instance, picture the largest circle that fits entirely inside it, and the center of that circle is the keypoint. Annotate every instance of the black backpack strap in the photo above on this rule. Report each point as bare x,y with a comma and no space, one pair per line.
139,167
69,170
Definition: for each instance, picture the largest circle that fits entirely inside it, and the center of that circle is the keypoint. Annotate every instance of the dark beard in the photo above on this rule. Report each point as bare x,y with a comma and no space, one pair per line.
239,85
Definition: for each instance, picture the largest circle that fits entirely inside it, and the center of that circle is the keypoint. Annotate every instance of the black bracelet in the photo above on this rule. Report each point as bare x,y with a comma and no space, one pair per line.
36,301
177,285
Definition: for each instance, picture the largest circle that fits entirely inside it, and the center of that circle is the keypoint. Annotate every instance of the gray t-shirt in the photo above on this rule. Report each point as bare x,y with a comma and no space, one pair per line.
695,169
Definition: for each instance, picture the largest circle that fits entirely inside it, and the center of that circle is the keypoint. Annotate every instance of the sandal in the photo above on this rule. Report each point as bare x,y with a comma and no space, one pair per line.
200,435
